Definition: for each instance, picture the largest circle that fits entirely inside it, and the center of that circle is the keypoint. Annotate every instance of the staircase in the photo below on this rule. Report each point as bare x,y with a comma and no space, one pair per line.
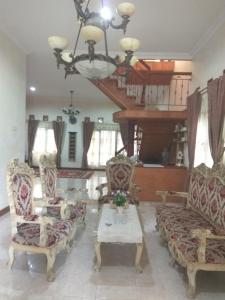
116,93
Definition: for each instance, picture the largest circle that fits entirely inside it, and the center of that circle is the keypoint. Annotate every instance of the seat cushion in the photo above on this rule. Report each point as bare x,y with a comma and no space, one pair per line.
177,221
187,246
29,234
78,210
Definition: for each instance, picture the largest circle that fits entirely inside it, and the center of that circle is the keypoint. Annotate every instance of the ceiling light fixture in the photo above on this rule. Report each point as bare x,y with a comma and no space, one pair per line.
32,88
71,111
93,28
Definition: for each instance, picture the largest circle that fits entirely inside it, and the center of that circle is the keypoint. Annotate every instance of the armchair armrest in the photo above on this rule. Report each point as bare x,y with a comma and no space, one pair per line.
202,235
62,204
100,189
136,188
43,222
165,194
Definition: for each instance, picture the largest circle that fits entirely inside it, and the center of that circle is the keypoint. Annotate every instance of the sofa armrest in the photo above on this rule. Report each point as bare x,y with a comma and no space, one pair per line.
202,235
100,189
165,194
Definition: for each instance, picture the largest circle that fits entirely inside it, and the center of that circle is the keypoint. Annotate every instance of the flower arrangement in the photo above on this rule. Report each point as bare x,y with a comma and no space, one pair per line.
119,198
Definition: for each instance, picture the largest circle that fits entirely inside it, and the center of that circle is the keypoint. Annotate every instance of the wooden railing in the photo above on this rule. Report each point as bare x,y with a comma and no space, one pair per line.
171,96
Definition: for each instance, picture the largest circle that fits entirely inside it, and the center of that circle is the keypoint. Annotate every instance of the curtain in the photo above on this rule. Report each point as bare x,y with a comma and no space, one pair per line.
32,130
124,130
202,149
193,110
88,128
216,110
58,128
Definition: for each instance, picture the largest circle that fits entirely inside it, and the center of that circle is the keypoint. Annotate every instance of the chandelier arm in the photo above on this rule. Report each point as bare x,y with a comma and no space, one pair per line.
122,25
80,13
78,36
106,43
91,50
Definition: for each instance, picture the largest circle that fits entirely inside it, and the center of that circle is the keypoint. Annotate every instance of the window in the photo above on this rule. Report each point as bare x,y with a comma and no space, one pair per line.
44,142
104,144
72,146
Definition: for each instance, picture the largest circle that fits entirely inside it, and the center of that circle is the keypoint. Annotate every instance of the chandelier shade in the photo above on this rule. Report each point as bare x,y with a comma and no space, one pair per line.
58,42
93,28
92,33
129,44
125,9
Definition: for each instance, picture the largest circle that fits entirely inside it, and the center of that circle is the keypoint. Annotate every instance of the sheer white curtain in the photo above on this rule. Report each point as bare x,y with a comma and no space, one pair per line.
202,149
44,142
104,144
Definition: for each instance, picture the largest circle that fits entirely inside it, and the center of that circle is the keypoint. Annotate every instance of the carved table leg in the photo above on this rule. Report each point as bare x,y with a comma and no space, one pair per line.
98,256
138,257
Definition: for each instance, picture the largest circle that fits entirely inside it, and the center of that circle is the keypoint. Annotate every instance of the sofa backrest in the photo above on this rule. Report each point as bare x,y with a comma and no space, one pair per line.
207,193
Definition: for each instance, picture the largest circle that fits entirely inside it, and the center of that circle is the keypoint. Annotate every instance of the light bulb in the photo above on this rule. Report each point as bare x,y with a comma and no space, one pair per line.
106,13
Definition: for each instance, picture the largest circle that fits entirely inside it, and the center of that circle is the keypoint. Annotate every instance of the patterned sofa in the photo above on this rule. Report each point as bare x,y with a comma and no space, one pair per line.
195,232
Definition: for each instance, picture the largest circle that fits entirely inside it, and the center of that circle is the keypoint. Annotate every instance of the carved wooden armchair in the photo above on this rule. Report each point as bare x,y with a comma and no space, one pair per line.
119,173
30,232
48,176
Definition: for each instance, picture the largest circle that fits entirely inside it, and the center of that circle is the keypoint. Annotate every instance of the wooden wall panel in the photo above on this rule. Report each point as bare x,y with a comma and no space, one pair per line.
156,136
166,179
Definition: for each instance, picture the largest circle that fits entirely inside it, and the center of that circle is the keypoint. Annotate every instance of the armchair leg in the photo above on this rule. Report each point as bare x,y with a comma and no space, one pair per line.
191,272
50,263
11,257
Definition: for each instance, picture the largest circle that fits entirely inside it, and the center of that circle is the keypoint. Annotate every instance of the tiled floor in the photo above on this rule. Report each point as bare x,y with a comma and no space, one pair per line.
117,280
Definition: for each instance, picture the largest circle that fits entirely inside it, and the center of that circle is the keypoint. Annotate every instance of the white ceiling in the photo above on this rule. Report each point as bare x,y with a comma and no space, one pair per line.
166,29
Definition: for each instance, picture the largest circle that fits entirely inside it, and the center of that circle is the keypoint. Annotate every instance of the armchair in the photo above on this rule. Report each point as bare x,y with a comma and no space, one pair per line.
30,232
119,173
53,197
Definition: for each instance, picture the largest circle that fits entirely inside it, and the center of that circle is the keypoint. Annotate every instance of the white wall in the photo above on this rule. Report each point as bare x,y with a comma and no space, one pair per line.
52,107
13,105
209,62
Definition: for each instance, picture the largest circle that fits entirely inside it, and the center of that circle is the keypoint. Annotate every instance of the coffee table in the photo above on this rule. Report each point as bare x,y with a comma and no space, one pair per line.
119,228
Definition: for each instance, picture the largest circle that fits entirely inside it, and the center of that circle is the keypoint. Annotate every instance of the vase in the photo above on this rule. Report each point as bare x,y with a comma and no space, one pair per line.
120,209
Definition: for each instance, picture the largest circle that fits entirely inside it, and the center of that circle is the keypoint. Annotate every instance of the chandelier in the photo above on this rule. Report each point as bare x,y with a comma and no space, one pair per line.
93,28
70,111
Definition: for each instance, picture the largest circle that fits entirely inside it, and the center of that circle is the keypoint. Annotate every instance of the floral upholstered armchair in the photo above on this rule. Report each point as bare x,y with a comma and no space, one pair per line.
51,195
119,173
30,232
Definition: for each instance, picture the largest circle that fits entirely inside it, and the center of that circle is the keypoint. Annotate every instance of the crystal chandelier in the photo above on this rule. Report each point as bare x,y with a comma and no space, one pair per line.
70,111
93,28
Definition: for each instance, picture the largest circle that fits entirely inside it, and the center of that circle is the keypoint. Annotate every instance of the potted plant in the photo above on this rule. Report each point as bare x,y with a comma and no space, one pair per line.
120,201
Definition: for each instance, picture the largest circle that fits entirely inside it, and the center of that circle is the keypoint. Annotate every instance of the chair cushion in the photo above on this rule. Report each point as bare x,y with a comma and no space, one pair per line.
78,210
187,246
29,234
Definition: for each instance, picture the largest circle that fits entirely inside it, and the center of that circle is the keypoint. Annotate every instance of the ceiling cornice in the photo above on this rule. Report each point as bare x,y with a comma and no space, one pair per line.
18,44
220,20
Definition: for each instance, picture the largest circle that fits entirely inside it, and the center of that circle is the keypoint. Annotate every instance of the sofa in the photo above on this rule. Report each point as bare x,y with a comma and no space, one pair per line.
195,231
